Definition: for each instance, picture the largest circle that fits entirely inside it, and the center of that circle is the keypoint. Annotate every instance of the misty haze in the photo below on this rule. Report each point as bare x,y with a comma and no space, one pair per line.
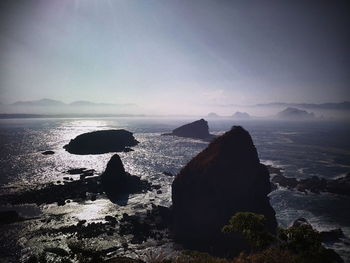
174,131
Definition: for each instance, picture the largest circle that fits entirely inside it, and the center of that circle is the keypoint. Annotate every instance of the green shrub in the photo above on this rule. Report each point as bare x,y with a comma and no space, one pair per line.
253,228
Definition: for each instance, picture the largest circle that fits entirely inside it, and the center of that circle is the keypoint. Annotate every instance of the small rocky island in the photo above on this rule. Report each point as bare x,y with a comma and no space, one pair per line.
198,130
225,178
99,142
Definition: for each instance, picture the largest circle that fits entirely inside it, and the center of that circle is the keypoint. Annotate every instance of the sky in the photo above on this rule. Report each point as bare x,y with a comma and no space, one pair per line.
176,56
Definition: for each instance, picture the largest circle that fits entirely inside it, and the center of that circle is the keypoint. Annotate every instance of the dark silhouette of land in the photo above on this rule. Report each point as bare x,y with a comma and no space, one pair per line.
196,130
99,142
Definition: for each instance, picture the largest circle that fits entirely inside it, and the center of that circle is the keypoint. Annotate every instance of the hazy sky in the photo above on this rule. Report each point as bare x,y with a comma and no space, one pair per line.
175,55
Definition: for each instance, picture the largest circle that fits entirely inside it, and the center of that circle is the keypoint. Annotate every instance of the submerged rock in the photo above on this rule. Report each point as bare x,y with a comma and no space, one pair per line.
225,178
197,129
99,142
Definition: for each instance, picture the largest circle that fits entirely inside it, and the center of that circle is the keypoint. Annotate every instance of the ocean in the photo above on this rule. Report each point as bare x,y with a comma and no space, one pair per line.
300,149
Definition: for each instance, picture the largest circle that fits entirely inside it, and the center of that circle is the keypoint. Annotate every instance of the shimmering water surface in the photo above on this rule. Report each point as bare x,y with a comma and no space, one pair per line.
300,149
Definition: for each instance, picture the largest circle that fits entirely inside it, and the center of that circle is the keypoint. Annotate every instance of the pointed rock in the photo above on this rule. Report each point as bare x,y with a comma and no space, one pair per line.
225,178
118,184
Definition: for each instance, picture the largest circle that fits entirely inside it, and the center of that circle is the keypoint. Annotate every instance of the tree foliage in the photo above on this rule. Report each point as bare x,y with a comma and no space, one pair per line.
253,227
300,243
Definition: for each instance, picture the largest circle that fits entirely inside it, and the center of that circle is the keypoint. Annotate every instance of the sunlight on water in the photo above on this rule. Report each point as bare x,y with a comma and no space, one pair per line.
92,210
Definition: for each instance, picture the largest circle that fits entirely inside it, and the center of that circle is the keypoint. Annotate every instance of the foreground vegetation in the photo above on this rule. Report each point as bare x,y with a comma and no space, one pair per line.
296,244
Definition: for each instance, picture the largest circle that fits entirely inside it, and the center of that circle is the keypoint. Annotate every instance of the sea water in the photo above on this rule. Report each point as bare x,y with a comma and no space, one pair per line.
300,149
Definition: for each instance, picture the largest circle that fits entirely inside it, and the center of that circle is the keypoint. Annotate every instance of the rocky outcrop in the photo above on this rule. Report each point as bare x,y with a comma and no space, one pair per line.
48,153
8,217
115,182
315,184
118,184
99,142
197,130
225,178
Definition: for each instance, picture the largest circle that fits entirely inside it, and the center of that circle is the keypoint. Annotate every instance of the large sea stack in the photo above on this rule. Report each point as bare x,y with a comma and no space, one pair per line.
99,142
198,130
225,178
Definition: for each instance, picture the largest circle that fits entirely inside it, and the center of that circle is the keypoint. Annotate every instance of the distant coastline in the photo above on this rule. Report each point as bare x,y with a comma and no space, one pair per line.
33,116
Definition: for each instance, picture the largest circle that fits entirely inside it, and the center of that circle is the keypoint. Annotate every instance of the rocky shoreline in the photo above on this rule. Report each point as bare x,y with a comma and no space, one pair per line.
340,186
197,193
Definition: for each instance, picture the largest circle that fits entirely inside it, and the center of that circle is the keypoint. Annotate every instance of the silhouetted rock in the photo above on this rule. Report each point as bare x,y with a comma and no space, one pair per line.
118,184
197,130
301,222
315,184
295,114
225,178
56,193
241,115
339,186
98,142
168,173
76,171
8,217
48,153
333,235
285,181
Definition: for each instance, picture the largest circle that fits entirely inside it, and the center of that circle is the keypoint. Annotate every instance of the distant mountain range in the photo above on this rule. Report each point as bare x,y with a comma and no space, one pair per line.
42,102
322,106
57,103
